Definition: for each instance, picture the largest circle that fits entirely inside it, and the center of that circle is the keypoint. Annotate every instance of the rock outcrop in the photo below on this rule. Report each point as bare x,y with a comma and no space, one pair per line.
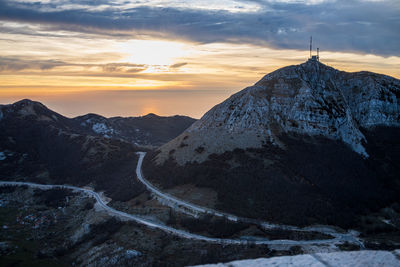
310,99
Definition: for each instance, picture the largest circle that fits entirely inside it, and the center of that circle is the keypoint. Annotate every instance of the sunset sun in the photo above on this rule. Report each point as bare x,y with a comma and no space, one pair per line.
152,52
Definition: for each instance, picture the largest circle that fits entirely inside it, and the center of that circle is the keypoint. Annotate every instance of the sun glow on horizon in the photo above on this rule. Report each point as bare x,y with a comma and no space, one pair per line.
64,67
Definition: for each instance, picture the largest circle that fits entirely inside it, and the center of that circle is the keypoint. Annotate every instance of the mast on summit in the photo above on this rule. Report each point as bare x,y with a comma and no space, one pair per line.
314,58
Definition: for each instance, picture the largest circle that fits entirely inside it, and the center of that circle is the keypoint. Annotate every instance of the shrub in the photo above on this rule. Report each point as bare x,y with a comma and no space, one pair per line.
199,149
54,197
217,227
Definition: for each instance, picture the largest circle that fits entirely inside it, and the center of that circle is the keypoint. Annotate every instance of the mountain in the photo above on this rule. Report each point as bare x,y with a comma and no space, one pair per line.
148,130
40,145
310,98
306,144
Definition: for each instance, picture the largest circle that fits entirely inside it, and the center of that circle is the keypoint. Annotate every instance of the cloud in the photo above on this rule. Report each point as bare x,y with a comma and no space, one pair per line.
178,65
20,64
352,26
123,67
15,64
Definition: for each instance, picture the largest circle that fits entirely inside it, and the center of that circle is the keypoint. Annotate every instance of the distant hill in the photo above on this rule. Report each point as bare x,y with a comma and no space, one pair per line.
148,130
40,145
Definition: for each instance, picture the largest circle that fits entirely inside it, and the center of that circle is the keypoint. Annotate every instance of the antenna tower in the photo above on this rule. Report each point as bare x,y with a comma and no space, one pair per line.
310,45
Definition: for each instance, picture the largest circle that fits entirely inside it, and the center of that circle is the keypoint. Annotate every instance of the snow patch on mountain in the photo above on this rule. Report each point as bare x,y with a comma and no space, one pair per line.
101,128
98,125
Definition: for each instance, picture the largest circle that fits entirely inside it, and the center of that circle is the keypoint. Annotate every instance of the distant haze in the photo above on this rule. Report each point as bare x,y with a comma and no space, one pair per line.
193,103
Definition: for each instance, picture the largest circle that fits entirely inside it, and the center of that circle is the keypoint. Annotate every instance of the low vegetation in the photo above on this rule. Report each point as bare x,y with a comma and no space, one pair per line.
54,197
213,226
106,241
313,181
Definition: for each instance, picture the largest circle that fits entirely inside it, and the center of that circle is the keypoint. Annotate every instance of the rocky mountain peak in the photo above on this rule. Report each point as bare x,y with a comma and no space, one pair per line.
27,108
26,103
310,98
151,115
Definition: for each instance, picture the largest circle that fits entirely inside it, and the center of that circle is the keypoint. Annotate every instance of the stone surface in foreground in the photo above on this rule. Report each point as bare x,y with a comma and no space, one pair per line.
353,258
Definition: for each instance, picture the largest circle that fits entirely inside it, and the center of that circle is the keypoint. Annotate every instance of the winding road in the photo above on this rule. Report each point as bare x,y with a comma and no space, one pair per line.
339,238
192,209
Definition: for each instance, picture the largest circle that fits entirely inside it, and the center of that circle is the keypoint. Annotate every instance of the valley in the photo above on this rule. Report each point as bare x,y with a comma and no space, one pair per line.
297,242
52,230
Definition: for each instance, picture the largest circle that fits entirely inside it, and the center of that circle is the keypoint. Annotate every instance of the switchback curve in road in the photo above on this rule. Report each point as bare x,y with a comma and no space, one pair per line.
123,215
181,205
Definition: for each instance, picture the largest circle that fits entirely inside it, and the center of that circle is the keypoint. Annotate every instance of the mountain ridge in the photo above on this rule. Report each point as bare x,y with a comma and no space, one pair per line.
310,98
149,130
40,145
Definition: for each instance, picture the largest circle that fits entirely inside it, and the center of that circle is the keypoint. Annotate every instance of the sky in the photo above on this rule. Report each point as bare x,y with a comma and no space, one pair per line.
130,58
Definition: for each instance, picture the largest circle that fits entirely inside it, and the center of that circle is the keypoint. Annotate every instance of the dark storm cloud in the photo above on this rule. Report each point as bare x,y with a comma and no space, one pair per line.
355,26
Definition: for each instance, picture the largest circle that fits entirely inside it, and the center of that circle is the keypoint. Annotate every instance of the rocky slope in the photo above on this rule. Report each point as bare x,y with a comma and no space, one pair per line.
310,98
306,144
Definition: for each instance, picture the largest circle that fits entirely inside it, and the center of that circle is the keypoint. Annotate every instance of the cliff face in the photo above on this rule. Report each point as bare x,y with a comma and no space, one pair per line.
309,99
